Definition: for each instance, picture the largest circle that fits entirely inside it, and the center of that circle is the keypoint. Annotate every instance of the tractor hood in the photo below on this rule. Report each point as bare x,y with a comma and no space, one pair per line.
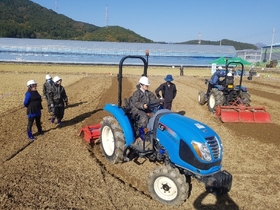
186,128
190,144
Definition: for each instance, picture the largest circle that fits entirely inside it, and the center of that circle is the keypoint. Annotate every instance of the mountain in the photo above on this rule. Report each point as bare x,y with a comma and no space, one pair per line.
237,45
26,19
260,45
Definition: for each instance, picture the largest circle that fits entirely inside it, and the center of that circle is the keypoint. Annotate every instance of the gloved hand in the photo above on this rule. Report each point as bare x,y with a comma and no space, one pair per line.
52,105
44,96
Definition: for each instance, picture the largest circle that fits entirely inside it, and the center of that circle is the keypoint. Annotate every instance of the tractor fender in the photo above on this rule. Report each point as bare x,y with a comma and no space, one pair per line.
243,88
219,87
123,120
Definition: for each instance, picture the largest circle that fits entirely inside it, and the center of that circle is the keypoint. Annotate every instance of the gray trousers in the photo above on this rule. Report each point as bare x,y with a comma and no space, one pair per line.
143,118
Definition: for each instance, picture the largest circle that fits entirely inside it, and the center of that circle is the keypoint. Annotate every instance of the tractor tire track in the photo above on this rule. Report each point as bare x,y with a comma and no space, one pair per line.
117,172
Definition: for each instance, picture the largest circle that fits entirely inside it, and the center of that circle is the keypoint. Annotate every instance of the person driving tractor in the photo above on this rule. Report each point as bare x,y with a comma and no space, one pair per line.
215,80
140,101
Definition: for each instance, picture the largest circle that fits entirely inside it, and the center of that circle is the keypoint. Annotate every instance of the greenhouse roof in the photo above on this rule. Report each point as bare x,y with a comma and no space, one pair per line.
114,48
274,45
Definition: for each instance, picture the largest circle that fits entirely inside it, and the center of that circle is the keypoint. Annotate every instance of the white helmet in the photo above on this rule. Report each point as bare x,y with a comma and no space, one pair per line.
144,80
31,82
48,76
56,78
220,68
229,74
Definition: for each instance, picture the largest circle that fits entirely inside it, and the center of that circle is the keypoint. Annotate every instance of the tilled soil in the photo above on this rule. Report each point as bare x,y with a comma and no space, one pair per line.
59,170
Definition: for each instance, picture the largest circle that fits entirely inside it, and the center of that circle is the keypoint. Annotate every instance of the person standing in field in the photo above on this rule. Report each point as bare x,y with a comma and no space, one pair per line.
46,90
58,100
33,103
168,92
182,70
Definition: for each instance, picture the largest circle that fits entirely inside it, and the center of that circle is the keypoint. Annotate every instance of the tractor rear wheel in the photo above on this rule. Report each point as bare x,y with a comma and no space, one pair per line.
201,98
112,140
245,97
216,98
168,186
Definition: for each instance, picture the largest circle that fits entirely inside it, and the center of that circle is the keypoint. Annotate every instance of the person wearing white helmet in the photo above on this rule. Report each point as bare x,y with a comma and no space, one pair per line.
58,100
46,90
33,103
140,100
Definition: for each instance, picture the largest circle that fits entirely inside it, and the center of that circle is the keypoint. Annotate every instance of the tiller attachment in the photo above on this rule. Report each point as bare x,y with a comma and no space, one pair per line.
91,133
242,113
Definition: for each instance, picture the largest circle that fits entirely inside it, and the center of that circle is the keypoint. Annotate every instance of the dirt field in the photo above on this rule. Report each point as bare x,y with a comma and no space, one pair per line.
61,171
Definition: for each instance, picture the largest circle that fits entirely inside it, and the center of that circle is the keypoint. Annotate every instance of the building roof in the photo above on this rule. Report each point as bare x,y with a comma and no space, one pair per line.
114,48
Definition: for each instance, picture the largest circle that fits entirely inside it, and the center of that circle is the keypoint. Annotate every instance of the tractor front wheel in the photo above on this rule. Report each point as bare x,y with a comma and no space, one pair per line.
216,98
201,98
112,140
168,186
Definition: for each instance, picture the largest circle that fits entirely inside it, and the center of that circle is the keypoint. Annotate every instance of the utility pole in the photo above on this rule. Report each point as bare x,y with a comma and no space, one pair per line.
106,16
273,31
199,38
56,6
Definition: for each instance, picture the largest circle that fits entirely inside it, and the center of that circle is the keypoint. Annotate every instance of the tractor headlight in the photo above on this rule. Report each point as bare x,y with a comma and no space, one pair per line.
202,151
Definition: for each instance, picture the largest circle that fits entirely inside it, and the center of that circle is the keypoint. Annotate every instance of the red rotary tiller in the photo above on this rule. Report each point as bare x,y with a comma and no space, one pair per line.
91,133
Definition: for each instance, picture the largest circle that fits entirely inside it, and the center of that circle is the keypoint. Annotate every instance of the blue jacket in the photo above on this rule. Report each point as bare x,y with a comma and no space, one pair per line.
33,103
215,78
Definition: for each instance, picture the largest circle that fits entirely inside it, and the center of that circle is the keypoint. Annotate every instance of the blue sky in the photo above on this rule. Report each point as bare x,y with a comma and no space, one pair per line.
250,21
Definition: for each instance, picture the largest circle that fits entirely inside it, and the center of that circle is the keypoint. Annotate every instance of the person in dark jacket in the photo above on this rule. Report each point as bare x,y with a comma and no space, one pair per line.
58,100
168,91
33,103
46,90
140,101
215,80
181,70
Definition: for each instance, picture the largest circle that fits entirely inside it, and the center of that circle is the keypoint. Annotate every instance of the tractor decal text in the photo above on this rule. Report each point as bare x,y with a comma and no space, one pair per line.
201,127
170,133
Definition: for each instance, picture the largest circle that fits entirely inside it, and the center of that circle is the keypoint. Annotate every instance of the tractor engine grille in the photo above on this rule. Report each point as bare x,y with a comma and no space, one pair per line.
214,145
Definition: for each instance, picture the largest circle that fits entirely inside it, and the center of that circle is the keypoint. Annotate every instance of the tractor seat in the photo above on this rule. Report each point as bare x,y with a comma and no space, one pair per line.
229,80
127,106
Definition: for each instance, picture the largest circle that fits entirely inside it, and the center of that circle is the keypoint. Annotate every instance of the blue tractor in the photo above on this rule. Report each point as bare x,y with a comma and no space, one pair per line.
230,102
186,148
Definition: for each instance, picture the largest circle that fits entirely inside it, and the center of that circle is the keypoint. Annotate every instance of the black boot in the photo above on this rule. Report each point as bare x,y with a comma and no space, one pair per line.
41,132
